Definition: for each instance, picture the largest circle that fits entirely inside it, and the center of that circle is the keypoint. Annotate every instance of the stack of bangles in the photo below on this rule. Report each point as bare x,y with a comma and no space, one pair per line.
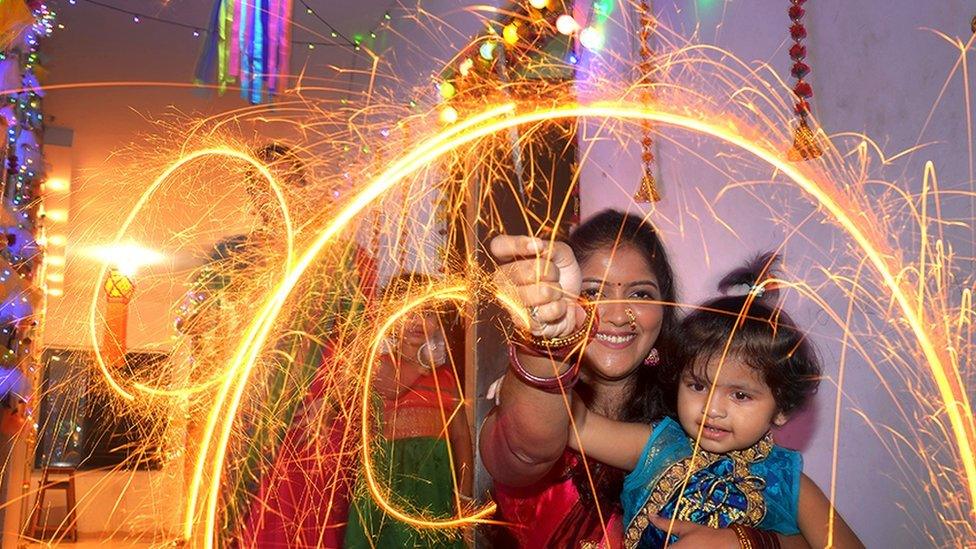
558,349
753,538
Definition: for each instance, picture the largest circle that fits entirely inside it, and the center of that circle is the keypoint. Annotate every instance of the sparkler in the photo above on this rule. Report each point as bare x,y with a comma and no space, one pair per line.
944,369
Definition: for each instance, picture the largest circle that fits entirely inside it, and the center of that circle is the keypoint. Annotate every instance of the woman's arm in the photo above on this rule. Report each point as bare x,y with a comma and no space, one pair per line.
692,535
526,434
820,523
615,443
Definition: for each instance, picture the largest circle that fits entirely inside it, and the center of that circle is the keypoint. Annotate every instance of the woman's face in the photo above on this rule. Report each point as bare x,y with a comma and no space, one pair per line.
627,295
289,176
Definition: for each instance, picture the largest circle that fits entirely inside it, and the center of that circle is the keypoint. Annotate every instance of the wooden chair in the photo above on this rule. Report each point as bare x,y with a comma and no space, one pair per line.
64,479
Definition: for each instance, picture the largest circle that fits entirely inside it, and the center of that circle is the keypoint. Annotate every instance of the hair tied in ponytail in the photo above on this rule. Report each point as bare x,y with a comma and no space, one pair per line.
753,278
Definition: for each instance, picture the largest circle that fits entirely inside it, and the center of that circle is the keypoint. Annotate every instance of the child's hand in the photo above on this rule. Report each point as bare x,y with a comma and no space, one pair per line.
695,535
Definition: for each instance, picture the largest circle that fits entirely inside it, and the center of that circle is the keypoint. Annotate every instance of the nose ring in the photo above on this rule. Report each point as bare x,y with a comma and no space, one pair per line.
633,318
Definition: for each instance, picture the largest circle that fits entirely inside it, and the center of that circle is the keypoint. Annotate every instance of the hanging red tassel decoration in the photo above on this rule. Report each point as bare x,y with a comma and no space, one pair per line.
647,192
805,142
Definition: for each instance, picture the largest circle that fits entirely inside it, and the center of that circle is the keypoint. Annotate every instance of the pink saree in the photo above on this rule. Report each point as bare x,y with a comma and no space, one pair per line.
304,500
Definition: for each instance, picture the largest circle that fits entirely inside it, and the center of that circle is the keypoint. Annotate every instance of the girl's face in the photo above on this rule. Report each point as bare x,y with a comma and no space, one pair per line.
620,282
419,328
742,408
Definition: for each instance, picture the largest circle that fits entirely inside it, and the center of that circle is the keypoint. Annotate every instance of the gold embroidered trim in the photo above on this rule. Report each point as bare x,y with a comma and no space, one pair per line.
414,422
674,477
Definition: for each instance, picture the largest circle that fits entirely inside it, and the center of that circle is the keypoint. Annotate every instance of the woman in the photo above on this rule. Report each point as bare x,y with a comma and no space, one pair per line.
424,454
550,495
305,475
543,489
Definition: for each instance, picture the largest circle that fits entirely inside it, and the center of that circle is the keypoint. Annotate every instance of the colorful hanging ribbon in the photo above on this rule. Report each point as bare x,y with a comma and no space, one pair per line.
249,43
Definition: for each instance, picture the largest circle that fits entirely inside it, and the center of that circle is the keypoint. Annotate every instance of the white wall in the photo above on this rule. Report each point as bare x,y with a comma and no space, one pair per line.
122,506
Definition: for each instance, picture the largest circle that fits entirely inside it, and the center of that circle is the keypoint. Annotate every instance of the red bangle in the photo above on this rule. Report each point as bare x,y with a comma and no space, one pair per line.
556,384
754,538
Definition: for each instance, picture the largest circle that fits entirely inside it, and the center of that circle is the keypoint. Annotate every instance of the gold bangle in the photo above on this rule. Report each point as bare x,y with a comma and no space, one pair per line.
573,339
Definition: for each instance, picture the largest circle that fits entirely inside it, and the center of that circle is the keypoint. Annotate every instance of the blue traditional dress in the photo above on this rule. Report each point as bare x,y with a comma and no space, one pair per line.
757,487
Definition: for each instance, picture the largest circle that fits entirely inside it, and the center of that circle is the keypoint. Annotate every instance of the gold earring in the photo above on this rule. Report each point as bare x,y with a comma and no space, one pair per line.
632,317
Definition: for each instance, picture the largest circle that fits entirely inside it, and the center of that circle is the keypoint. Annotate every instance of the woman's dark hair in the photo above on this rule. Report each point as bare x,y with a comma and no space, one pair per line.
763,336
275,153
610,229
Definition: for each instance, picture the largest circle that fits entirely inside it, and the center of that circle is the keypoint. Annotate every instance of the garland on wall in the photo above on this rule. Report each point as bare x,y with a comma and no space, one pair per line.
805,145
648,190
23,172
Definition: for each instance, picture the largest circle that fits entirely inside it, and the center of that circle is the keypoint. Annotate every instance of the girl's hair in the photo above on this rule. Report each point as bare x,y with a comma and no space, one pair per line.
763,336
407,283
611,229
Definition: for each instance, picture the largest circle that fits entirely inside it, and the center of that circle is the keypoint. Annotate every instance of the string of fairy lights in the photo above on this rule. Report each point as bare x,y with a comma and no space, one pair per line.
524,39
339,39
538,20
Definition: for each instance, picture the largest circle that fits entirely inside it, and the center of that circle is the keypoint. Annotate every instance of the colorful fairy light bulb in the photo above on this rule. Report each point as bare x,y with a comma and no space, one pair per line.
566,24
510,34
449,115
539,4
487,50
592,39
447,90
465,66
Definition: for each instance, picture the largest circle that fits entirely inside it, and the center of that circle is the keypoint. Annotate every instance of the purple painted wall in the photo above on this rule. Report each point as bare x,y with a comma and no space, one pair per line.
887,75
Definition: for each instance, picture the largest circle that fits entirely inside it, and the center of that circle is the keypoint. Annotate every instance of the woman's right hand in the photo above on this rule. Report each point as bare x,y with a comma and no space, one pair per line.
545,279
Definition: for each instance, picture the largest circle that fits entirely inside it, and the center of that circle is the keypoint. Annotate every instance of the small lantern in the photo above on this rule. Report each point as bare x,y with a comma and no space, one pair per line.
118,287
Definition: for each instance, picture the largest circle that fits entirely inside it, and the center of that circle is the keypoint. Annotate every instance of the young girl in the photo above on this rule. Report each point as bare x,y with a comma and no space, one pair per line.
740,367
416,385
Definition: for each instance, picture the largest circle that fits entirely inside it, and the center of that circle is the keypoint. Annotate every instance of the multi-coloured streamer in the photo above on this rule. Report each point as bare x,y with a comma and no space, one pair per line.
248,42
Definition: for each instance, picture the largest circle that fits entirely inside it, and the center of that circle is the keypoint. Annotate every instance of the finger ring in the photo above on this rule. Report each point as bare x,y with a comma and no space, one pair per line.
534,313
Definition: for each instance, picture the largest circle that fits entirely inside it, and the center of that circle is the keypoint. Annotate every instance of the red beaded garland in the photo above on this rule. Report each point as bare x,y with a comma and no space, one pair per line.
798,31
805,145
800,69
803,89
647,192
798,52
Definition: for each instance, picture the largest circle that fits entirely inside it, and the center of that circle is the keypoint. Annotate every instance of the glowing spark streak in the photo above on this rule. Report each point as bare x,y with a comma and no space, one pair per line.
480,126
450,293
835,443
246,354
955,398
93,325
